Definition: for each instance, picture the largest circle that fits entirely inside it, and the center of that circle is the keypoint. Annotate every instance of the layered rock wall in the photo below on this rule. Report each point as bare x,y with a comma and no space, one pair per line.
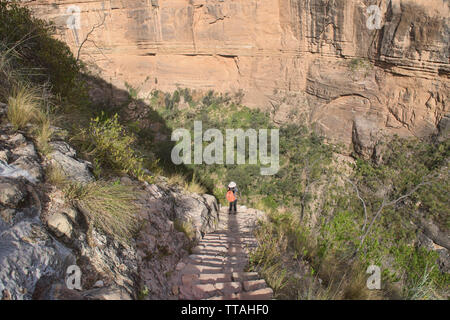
316,49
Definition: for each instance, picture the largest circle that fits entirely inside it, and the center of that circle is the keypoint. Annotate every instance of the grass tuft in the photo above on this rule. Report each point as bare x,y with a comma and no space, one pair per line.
110,207
23,106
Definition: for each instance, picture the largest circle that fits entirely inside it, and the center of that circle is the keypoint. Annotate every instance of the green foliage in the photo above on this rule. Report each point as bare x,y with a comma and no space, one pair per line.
143,293
340,235
360,65
40,57
420,273
132,91
406,163
108,143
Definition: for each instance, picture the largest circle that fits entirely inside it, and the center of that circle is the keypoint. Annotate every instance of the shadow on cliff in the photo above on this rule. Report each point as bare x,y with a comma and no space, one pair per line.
152,132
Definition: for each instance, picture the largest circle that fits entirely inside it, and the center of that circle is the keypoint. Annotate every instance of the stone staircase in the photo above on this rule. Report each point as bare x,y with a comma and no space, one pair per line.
215,269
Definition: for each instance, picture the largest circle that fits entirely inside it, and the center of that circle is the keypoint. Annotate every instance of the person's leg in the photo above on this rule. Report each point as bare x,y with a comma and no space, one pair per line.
235,206
231,207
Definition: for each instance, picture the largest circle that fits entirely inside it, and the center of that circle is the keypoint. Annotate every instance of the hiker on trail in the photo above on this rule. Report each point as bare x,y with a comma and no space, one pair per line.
232,197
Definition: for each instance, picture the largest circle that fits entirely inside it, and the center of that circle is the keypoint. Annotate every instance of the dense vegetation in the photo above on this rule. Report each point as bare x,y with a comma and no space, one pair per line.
328,219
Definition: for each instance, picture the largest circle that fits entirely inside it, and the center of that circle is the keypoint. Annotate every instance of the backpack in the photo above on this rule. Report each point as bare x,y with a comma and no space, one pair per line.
230,196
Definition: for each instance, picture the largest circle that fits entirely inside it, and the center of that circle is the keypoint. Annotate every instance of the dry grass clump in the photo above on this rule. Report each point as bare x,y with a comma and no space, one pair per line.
110,207
24,106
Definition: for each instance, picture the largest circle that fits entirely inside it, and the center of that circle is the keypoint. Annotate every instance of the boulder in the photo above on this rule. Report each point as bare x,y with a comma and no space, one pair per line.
12,171
59,223
17,140
365,135
64,148
5,155
27,150
444,128
11,194
29,252
200,210
32,169
64,157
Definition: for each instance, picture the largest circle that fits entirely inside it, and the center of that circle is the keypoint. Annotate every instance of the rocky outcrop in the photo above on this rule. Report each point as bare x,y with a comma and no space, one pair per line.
42,233
64,157
348,64
27,250
161,245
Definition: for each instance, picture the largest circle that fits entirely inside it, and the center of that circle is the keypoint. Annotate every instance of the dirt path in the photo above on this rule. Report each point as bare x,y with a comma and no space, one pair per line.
215,269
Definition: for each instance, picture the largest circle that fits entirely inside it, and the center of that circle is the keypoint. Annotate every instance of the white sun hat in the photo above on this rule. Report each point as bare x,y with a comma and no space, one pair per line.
232,184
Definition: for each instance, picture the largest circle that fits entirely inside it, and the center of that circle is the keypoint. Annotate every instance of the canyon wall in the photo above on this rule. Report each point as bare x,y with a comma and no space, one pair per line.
326,59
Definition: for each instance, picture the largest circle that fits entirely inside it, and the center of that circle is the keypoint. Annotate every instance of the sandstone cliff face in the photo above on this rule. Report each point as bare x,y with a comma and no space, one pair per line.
315,49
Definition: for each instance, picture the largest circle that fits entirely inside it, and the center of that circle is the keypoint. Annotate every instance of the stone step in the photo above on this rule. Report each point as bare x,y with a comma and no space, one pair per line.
212,264
214,243
203,291
224,297
215,269
214,277
261,294
200,269
228,288
253,285
209,250
244,276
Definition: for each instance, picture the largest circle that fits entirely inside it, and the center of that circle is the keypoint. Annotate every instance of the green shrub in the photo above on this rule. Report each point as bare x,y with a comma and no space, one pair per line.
41,58
108,143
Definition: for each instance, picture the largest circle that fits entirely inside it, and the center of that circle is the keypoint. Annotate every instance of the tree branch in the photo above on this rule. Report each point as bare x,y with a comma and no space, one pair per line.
362,201
88,34
385,204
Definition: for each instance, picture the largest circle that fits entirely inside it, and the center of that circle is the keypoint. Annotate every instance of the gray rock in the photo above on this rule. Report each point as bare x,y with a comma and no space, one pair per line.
31,166
60,225
433,232
64,148
27,150
444,128
10,193
28,252
365,135
201,211
107,293
5,155
126,181
12,171
72,214
74,169
17,139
